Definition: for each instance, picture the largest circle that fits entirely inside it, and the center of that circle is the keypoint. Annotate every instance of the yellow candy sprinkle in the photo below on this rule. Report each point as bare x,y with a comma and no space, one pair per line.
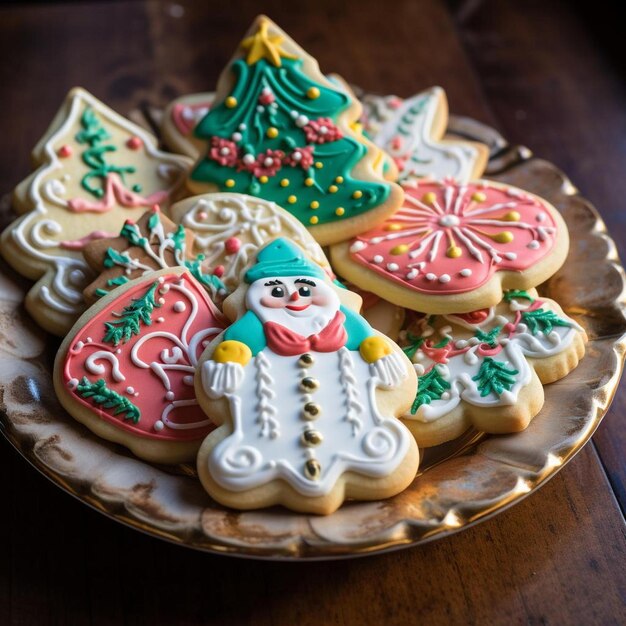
429,198
454,252
232,351
315,204
340,211
393,226
230,183
512,216
312,93
374,348
284,182
399,249
292,199
263,179
479,196
339,180
319,165
503,237
230,102
308,182
314,220
357,194
333,189
272,132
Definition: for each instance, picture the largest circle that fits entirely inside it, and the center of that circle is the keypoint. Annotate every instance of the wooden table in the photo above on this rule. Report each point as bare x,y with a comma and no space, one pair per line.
545,77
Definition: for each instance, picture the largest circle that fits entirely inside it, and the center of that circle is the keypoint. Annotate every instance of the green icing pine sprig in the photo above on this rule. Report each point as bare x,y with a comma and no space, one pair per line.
544,321
106,398
490,338
494,377
414,346
140,310
95,135
430,387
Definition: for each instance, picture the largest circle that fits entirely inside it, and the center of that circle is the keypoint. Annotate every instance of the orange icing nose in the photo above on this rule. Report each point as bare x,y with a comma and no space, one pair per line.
294,296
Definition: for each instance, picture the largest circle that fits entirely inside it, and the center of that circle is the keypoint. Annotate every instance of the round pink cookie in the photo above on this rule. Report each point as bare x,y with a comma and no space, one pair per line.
454,247
126,369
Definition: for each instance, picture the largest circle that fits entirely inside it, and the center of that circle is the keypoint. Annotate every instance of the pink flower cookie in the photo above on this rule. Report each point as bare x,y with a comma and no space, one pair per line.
454,247
126,369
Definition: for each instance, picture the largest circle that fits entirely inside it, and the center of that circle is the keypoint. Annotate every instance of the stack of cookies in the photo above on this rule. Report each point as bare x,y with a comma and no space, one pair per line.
305,290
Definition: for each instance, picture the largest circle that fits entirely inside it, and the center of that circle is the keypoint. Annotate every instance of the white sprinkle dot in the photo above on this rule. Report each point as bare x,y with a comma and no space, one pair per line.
160,320
376,240
378,259
511,256
444,278
161,300
161,280
540,217
179,306
293,114
431,276
159,425
297,156
412,274
534,244
224,151
465,273
169,395
268,162
260,108
242,127
164,289
130,390
72,383
236,137
393,267
248,158
302,120
357,246
89,340
78,346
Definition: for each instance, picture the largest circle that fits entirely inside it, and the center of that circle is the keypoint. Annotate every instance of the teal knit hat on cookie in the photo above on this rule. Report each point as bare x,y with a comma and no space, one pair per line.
282,258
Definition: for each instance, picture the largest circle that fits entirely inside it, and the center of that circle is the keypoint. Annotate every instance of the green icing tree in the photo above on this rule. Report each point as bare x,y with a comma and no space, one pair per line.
490,338
106,398
275,137
430,387
543,321
494,377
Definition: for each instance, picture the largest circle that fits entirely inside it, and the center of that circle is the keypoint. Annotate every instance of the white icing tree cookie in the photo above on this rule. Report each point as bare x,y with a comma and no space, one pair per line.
486,368
305,393
411,131
96,169
126,369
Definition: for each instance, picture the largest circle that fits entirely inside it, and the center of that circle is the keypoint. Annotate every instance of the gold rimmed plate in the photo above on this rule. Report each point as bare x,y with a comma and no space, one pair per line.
459,483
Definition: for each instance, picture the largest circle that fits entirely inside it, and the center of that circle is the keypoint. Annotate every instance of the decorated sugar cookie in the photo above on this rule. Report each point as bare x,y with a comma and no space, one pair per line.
454,247
486,368
154,242
96,169
126,369
229,229
280,130
411,132
180,120
305,393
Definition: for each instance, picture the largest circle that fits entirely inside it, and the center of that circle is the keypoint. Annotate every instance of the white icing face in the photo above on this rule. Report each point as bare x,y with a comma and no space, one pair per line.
303,304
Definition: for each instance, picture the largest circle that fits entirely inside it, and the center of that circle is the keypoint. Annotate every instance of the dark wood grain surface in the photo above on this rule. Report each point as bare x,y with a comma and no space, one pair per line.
546,77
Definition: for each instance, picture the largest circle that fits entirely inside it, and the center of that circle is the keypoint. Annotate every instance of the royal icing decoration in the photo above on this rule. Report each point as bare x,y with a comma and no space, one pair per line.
180,121
283,134
300,373
450,238
91,179
409,131
230,228
482,357
133,363
152,243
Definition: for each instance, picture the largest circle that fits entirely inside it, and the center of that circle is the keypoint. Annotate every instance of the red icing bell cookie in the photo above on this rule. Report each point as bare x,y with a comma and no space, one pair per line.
126,369
453,247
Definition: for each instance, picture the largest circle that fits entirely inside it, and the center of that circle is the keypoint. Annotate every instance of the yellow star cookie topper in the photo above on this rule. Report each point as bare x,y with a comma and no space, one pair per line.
263,45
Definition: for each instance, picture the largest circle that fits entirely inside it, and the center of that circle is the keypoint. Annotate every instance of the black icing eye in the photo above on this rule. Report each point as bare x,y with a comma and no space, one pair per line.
305,292
278,292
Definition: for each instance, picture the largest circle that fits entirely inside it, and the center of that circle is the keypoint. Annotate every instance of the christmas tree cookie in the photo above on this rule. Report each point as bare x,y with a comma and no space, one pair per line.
411,132
454,248
126,368
96,169
486,368
305,394
153,242
229,228
280,130
180,120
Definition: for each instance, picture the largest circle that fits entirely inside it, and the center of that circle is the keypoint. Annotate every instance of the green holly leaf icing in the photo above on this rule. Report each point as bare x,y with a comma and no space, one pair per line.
494,377
153,221
178,238
208,280
414,346
112,257
140,310
489,338
430,387
106,398
131,233
519,294
543,321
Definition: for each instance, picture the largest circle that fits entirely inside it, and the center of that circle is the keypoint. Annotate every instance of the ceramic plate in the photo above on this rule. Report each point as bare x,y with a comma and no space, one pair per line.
459,483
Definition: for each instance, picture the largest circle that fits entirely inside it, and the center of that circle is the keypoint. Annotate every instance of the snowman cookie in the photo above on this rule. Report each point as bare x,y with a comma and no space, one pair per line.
153,242
305,394
180,120
454,248
126,368
486,368
96,169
